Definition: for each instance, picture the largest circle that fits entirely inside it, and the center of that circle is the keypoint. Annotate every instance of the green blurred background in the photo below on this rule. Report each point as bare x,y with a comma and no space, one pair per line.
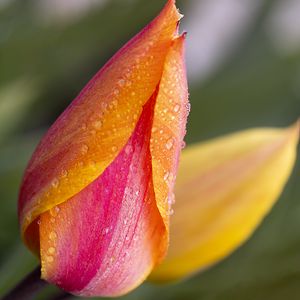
243,59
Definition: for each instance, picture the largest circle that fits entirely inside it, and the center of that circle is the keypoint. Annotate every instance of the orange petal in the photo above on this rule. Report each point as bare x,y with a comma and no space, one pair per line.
91,132
169,123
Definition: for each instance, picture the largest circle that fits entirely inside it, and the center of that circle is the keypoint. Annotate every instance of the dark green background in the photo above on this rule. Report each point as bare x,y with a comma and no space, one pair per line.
43,67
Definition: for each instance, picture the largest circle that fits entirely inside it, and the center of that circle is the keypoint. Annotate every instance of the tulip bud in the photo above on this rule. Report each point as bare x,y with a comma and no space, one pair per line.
225,187
94,199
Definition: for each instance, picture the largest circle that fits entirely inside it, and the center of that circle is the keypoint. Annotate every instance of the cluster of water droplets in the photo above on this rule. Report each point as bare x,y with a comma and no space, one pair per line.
49,257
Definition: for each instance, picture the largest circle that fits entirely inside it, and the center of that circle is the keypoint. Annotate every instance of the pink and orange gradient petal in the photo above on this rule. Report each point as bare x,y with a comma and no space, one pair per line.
93,130
105,240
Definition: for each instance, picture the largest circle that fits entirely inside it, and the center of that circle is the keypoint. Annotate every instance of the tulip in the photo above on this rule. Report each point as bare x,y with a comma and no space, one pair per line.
224,189
94,202
96,198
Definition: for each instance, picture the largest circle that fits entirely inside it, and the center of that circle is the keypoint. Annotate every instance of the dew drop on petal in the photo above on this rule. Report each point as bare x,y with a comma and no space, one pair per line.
171,199
188,107
169,144
49,259
176,108
52,236
64,173
84,149
51,250
171,212
55,183
166,176
97,124
121,82
114,148
154,129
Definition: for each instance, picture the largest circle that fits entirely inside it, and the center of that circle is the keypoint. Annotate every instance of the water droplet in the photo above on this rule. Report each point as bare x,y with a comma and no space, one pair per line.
171,212
137,193
114,148
106,230
39,221
121,82
169,144
104,105
49,259
183,144
116,92
84,149
161,131
171,199
64,173
188,107
176,108
154,129
166,176
55,183
52,236
51,250
132,93
97,124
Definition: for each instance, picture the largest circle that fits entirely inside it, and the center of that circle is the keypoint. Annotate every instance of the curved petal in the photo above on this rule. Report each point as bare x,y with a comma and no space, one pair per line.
169,123
224,189
92,131
106,239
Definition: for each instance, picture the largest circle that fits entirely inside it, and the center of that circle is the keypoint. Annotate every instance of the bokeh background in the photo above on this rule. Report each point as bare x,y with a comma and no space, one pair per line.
243,59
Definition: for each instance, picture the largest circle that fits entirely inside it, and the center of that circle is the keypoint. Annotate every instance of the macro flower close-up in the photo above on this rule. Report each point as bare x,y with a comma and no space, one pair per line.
132,192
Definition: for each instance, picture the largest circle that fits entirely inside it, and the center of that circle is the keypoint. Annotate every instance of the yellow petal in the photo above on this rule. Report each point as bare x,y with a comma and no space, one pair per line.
225,187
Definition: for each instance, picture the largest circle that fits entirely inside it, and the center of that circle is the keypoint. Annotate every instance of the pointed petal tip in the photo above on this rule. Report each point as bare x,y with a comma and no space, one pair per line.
171,5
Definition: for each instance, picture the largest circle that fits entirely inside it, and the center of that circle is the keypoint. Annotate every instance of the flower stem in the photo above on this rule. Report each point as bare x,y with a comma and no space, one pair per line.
28,287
